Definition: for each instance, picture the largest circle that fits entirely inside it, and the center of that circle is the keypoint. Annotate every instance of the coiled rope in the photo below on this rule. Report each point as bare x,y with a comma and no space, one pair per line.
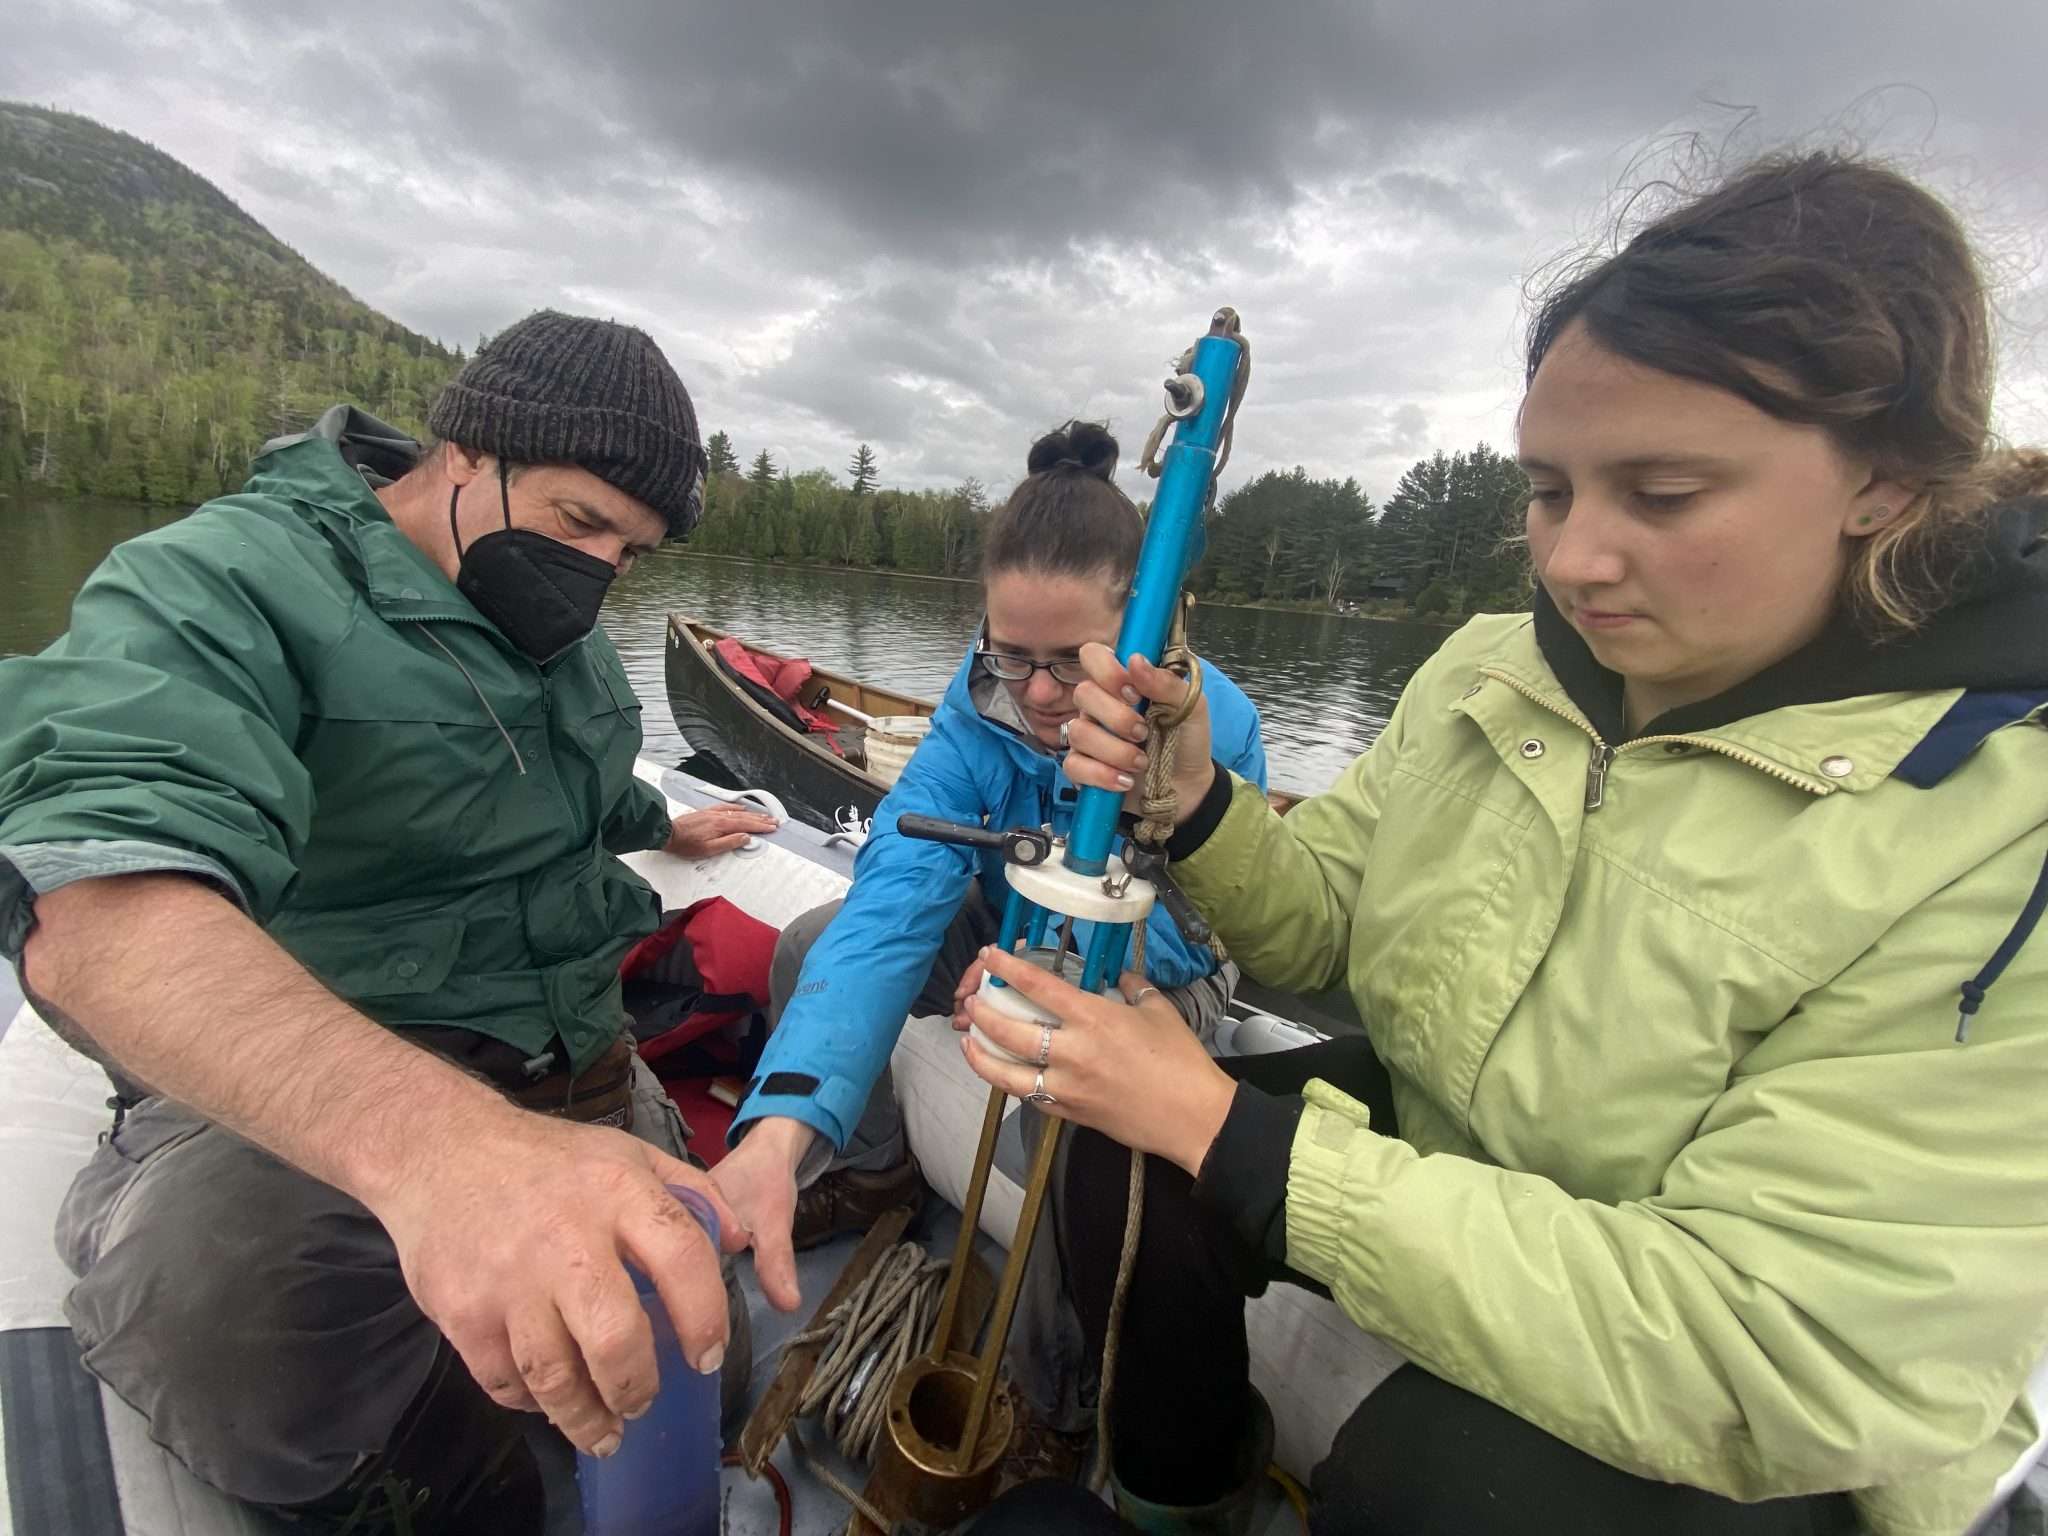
881,1326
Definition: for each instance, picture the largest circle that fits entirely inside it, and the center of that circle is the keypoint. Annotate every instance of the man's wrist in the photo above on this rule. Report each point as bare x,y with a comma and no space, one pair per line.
458,1114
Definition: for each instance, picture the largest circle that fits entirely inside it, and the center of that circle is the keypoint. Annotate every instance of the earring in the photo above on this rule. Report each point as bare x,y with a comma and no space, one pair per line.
1873,517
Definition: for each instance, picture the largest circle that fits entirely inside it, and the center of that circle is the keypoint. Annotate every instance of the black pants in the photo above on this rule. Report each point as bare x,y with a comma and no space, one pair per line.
1419,1456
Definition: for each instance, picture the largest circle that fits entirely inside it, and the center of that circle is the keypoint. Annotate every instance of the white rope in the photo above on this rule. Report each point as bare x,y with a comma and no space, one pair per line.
878,1329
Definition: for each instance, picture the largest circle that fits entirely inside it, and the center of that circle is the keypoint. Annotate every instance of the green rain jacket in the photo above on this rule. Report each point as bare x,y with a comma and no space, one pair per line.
1693,1169
283,695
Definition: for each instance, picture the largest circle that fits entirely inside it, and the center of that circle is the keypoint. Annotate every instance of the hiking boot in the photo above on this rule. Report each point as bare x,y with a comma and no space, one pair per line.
852,1200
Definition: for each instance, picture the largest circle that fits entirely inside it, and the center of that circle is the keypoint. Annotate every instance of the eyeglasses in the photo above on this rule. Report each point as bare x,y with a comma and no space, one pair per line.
1019,669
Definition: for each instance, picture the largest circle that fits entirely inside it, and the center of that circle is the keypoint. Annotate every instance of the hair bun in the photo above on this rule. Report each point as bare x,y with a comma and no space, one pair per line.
1085,446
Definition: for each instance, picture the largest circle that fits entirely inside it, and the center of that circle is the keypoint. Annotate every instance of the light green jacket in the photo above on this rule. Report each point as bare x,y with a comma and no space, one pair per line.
1693,1172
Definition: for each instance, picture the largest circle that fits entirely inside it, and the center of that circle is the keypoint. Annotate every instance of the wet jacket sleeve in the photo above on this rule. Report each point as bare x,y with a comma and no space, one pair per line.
867,967
163,720
1838,1283
640,820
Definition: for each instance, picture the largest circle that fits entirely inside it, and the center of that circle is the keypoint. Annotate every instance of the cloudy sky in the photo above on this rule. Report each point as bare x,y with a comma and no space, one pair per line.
941,225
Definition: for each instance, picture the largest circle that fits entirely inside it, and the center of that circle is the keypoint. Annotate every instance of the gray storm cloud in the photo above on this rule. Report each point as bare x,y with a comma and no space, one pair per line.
938,227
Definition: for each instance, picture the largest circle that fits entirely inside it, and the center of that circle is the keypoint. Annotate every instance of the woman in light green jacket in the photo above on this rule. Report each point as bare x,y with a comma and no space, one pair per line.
1699,1158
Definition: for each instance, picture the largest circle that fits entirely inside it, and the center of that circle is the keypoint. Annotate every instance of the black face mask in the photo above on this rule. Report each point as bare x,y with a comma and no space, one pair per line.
542,594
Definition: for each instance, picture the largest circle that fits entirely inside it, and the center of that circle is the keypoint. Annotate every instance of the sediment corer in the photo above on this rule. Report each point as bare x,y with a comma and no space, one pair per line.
950,1415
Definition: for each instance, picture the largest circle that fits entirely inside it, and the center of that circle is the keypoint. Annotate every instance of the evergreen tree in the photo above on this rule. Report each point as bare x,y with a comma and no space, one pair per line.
719,455
862,468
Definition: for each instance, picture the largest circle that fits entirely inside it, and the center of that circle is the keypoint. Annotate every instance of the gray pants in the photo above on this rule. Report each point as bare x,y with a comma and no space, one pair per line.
1048,1359
255,1316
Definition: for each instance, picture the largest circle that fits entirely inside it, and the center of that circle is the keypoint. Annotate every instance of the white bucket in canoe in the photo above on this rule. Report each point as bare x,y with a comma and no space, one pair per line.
891,740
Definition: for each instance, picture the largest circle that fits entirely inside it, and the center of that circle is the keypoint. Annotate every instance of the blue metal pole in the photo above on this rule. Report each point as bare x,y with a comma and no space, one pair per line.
1016,912
1107,947
1172,535
1035,934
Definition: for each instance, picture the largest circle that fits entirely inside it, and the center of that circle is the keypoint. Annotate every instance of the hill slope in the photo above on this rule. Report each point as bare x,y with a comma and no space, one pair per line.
152,334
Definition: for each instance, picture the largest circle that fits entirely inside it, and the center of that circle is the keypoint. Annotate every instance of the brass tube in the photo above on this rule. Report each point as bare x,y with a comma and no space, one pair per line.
970,1222
1013,1282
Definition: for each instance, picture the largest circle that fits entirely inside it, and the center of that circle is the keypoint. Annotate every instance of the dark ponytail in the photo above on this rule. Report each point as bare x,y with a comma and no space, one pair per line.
1067,517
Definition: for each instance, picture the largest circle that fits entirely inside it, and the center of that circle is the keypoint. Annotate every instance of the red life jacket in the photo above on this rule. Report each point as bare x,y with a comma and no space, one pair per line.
704,968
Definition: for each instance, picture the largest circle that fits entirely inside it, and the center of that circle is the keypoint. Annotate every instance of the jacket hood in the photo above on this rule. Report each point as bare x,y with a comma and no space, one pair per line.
377,451
1992,635
983,704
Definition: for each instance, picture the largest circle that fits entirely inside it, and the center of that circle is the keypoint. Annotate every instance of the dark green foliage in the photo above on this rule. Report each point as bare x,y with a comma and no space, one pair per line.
1284,538
862,468
153,335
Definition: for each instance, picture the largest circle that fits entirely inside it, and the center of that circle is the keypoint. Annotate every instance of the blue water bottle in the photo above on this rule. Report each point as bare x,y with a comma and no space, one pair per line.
663,1479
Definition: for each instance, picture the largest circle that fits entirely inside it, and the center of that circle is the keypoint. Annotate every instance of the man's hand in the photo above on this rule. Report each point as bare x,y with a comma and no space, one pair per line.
759,1178
512,1244
513,1229
716,829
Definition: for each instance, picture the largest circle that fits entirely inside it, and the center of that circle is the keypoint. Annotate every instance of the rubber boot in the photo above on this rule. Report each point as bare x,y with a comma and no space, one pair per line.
1230,1515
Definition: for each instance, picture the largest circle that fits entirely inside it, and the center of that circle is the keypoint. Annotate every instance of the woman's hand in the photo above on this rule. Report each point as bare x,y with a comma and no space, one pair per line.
970,983
716,829
1107,742
1103,1047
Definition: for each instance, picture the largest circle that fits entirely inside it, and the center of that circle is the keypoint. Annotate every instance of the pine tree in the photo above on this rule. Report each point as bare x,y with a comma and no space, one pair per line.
718,451
862,467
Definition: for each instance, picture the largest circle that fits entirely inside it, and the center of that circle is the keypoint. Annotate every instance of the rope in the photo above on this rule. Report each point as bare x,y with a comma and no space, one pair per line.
839,1485
879,1328
1112,1341
1158,806
868,1338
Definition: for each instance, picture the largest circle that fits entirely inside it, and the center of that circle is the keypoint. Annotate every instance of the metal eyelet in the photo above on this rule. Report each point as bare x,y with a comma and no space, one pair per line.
1837,767
1532,749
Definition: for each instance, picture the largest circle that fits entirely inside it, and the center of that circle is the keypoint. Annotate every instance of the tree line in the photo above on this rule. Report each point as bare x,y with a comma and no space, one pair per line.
769,513
1442,543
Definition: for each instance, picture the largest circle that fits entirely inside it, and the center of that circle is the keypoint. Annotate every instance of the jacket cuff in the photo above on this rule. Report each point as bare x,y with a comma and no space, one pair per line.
1196,830
29,870
1243,1180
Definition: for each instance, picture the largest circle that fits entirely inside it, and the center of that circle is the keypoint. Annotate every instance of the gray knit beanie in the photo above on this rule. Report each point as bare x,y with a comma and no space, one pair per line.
565,389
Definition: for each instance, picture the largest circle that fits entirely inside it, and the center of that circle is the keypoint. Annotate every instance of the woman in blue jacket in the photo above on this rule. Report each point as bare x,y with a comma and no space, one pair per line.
1056,569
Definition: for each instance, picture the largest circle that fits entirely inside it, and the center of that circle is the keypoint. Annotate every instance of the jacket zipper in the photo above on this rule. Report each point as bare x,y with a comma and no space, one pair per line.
1596,775
1604,755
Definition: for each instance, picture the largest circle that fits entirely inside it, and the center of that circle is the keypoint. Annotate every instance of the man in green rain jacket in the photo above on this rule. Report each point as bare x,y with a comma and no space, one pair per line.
308,831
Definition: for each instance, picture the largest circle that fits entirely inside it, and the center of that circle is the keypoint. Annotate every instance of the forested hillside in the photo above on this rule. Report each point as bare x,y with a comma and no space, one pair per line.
153,335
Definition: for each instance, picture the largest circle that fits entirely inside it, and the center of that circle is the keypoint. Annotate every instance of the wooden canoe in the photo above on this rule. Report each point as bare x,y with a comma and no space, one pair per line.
763,748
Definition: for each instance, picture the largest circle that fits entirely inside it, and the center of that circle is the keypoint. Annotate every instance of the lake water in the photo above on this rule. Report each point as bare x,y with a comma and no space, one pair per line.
1324,685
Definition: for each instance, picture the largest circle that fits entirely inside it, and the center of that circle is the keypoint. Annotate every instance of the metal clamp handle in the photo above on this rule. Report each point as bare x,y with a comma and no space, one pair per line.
1149,865
1027,846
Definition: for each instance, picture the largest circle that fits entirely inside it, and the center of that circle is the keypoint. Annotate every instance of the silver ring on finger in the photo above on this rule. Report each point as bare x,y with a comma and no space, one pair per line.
1143,993
1065,744
1038,1095
1044,1047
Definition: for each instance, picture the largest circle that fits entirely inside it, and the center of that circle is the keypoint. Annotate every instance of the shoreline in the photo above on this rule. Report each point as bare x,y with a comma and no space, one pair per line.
970,581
